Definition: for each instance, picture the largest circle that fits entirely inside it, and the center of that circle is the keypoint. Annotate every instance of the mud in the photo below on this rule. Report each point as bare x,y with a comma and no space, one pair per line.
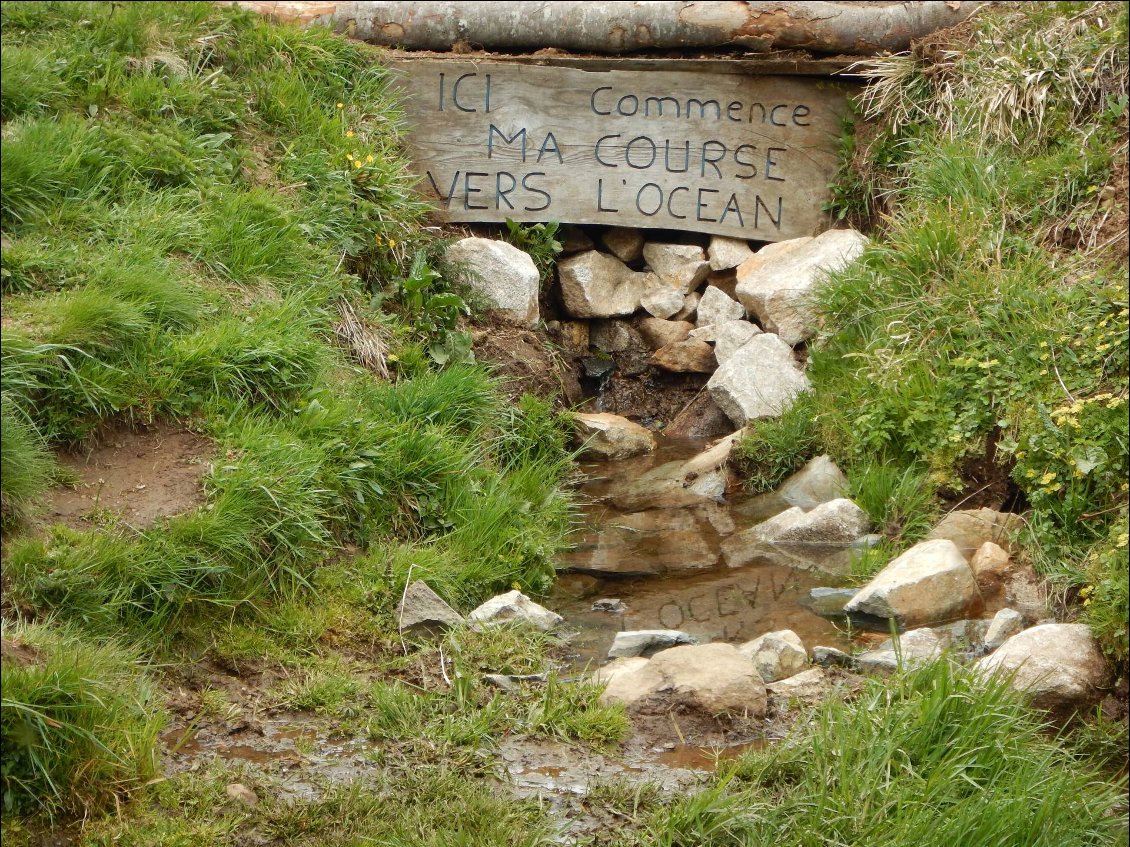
137,476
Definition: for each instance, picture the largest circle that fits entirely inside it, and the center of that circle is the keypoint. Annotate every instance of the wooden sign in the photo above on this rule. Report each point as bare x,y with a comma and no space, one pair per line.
718,152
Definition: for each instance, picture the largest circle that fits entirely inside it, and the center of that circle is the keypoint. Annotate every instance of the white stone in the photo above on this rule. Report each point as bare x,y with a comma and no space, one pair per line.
1058,664
502,275
596,285
421,609
683,266
690,307
638,642
969,529
838,521
760,380
777,286
776,655
514,606
817,482
917,647
625,243
662,301
715,306
725,253
807,686
728,337
929,583
1005,624
608,436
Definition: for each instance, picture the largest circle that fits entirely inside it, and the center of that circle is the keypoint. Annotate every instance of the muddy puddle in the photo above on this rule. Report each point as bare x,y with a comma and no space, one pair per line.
665,565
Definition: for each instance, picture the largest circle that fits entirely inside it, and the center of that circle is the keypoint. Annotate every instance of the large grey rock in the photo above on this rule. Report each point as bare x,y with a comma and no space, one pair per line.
819,481
776,655
760,380
423,611
715,306
607,436
625,243
709,679
662,301
644,642
970,528
931,582
725,253
777,287
683,266
596,285
689,356
1058,664
502,275
811,539
917,647
728,337
658,333
513,606
1005,624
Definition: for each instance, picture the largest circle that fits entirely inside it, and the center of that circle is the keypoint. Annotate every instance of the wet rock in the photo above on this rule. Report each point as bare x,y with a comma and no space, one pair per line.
725,253
829,602
777,286
711,458
828,657
713,679
664,487
625,243
658,333
502,275
917,647
760,380
614,336
1005,624
690,307
700,418
573,239
838,521
611,605
715,306
683,266
240,793
819,481
513,606
607,436
647,543
930,582
662,301
776,655
970,528
646,642
688,356
1058,664
596,285
423,611
808,686
728,337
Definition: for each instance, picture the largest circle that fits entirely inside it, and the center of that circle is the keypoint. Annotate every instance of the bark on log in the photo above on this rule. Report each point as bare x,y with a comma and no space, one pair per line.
624,27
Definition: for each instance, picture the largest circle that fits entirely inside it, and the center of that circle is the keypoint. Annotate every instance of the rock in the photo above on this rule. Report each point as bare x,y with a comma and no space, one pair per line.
690,307
514,606
712,458
574,336
422,610
828,602
714,307
724,281
776,655
645,642
690,356
619,668
970,528
241,794
658,333
607,436
989,561
728,337
819,481
760,380
502,275
828,657
808,686
611,605
625,243
683,266
712,679
573,239
613,336
930,582
662,301
816,534
596,285
777,286
1058,664
656,541
917,647
1005,624
1026,593
725,253
663,487
700,418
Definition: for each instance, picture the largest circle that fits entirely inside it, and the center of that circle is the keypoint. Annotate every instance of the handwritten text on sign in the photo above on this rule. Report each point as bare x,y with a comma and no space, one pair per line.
726,153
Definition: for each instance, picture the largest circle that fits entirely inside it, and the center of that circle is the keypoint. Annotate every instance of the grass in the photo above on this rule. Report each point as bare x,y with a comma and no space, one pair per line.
934,756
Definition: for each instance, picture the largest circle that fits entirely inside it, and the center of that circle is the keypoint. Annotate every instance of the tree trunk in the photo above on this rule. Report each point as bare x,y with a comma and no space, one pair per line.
623,27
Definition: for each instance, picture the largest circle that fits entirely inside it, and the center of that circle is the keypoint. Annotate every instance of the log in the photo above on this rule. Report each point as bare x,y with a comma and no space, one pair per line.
864,28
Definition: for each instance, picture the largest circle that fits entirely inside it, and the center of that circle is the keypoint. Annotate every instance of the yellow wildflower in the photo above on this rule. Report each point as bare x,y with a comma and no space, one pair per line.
349,133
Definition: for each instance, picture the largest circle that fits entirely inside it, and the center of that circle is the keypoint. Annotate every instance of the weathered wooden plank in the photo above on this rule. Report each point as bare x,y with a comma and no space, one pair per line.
718,152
